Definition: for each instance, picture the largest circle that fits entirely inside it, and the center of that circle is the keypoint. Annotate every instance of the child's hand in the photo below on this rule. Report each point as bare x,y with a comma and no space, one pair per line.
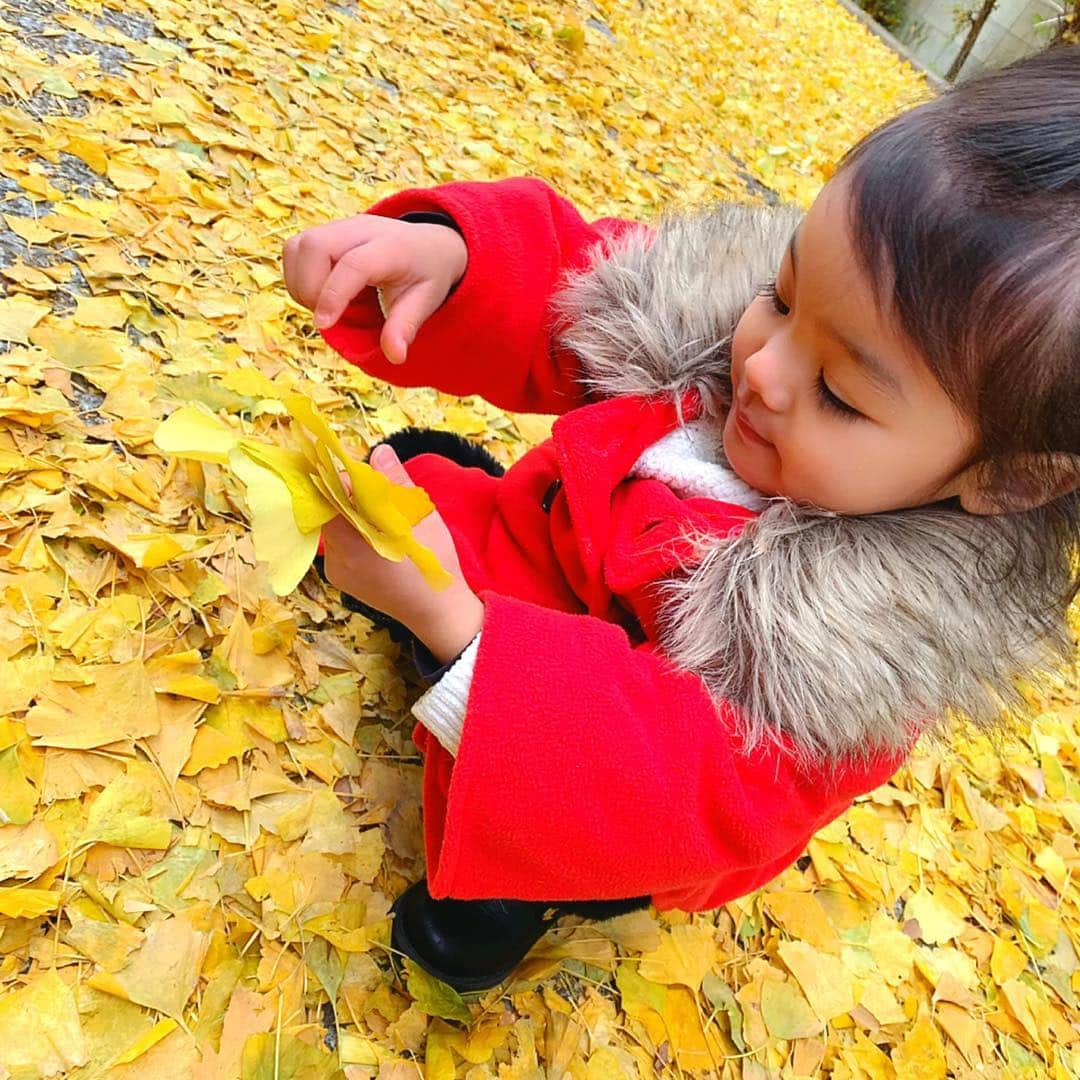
444,621
413,265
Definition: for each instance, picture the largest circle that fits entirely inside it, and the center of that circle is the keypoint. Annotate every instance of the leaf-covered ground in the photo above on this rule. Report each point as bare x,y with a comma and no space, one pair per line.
209,795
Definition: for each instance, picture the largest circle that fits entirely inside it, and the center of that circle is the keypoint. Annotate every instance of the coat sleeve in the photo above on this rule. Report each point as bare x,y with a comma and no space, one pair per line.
493,335
590,769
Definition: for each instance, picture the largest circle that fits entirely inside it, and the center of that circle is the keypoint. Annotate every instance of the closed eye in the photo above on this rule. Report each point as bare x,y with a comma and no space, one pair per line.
833,403
769,290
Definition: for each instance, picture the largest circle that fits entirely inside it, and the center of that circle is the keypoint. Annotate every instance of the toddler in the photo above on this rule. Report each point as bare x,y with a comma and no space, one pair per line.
812,489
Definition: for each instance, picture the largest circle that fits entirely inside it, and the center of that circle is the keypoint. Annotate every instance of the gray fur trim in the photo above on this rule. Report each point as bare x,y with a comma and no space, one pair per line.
850,633
845,634
655,314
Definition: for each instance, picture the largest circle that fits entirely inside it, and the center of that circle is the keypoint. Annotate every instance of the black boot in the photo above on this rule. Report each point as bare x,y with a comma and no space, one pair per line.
467,944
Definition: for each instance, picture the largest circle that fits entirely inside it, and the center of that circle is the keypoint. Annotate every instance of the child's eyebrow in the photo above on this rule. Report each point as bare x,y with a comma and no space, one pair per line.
876,370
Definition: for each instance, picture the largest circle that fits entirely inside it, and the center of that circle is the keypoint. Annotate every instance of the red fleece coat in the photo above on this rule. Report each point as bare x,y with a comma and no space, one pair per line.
590,767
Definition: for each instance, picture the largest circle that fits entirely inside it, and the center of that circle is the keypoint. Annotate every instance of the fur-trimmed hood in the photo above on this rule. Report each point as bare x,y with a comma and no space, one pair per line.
847,634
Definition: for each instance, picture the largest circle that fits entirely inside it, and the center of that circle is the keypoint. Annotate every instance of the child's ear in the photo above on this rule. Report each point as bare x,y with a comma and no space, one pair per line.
1029,481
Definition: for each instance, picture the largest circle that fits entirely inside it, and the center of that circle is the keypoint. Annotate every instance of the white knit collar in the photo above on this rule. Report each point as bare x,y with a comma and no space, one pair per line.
690,460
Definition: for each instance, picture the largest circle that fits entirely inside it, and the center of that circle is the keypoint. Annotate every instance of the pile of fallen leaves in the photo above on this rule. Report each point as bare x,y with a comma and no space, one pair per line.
209,793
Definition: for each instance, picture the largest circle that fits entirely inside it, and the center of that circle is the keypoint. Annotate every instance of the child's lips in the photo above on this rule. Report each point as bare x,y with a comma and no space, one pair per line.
747,430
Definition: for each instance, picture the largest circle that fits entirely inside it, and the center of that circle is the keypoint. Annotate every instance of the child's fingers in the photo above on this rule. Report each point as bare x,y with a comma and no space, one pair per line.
309,257
288,266
349,276
407,314
307,264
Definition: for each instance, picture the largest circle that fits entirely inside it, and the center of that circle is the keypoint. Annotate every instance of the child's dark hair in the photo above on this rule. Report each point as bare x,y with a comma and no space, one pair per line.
966,210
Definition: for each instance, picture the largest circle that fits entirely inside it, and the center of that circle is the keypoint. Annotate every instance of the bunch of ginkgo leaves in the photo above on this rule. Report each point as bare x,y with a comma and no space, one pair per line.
293,491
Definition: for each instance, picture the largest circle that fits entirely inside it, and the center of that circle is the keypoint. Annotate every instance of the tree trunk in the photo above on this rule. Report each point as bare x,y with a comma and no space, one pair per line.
977,23
1068,27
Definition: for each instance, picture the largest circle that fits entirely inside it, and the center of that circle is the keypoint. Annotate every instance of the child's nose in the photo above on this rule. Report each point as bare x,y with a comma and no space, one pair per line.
765,376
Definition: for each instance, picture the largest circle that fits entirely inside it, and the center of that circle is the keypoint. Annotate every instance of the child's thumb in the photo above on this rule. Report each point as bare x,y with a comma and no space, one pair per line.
386,461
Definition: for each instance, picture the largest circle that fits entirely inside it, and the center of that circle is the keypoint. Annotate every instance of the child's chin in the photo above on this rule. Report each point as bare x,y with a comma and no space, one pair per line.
743,464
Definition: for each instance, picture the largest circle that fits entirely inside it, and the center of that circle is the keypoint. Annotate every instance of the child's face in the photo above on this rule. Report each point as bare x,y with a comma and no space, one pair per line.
831,405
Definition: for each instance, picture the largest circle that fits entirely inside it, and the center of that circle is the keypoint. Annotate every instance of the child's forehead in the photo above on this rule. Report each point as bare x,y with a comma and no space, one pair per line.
829,216
822,244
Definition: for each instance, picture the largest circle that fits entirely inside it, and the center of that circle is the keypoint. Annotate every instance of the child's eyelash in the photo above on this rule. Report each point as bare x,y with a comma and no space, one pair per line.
832,402
769,290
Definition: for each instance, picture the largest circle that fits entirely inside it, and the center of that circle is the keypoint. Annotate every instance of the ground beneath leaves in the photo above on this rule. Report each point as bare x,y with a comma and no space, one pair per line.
209,795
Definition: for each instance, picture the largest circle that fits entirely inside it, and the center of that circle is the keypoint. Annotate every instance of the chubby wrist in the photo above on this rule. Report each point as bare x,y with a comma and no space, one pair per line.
449,626
460,255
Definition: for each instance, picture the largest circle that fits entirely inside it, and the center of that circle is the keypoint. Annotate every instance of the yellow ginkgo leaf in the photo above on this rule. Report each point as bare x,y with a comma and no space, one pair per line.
40,1029
27,903
196,687
371,491
100,311
428,564
221,737
18,797
412,504
394,548
151,1038
279,542
192,433
309,507
122,815
253,383
18,315
684,956
327,480
164,111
